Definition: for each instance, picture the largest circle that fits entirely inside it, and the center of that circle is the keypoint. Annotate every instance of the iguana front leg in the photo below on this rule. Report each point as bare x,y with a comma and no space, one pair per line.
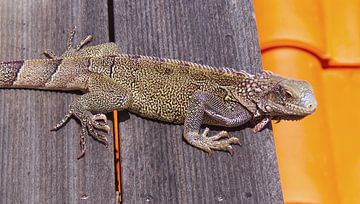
204,105
104,96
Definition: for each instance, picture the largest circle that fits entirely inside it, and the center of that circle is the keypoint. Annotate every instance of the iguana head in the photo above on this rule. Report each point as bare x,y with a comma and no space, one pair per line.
288,99
270,95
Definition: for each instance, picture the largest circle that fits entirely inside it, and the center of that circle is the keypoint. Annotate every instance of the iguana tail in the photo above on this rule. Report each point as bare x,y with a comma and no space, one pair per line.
51,74
9,71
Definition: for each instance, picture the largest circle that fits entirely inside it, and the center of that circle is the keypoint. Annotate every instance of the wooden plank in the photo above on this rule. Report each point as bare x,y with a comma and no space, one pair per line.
39,166
157,165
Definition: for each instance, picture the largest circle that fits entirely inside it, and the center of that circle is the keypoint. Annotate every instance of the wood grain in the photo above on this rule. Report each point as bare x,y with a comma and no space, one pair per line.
39,166
157,164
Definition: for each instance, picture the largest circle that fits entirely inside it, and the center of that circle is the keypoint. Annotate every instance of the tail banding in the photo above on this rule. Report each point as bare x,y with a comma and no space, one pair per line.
51,74
9,72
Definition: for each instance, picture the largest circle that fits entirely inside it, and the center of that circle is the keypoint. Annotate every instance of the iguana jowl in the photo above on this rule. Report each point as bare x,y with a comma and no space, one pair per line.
163,89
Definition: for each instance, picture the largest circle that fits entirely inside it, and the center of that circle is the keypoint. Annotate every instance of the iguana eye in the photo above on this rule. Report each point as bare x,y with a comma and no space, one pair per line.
288,94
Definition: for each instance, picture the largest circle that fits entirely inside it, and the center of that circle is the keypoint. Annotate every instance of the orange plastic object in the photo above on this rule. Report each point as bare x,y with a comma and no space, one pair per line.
318,41
342,32
342,88
295,23
117,156
303,147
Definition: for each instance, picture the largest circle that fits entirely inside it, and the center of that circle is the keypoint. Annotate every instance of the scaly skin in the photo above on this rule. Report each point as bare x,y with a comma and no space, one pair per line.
163,89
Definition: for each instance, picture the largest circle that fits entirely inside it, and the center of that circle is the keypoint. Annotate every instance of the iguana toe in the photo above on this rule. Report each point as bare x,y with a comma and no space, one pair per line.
95,121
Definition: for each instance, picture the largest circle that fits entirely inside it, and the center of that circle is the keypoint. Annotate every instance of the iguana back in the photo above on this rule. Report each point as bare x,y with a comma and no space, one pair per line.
162,89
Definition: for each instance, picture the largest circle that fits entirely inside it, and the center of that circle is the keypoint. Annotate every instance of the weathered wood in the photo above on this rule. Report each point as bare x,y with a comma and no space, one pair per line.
39,166
157,164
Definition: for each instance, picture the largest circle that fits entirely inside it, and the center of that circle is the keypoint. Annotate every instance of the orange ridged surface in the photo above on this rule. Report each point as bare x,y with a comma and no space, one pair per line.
342,88
343,32
303,147
282,23
318,41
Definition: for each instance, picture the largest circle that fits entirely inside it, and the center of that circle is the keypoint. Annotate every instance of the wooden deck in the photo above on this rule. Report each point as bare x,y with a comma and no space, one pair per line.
39,166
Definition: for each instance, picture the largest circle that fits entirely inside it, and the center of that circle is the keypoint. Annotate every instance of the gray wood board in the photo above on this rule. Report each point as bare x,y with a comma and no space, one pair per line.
39,166
157,164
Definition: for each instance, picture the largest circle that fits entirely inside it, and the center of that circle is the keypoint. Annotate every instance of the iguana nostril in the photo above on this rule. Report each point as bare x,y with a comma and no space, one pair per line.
311,106
309,101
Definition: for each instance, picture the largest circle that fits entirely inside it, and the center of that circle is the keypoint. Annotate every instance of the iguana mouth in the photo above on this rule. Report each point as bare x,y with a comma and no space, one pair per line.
291,109
288,117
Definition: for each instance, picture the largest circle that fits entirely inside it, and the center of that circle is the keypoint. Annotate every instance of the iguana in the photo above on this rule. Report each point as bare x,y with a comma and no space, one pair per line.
168,90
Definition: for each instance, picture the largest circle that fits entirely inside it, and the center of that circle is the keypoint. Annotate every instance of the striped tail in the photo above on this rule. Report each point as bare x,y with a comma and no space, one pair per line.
9,72
51,74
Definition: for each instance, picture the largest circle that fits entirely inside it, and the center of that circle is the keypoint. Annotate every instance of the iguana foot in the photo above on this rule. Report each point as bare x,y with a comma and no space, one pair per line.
50,54
221,141
93,125
70,48
90,123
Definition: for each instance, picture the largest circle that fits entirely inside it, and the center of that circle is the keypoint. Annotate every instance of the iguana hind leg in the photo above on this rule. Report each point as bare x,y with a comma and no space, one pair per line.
104,49
104,96
204,105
